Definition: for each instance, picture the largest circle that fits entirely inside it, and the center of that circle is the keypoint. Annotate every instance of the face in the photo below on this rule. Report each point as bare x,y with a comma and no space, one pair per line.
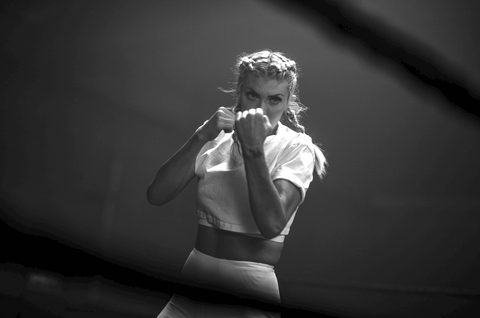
269,94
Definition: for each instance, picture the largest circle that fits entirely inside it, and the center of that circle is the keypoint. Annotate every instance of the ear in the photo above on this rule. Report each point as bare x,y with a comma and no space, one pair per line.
287,113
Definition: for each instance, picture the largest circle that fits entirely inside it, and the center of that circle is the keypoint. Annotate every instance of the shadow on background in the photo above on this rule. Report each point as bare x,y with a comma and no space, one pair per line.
371,37
48,275
43,276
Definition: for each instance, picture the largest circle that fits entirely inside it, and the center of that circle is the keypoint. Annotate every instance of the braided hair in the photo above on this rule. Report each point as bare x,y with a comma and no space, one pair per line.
268,64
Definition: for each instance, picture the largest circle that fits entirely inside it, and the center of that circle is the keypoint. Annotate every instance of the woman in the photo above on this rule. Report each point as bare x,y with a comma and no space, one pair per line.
253,172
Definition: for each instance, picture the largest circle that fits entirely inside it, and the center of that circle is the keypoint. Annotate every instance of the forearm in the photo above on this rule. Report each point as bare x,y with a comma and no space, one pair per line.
265,203
176,172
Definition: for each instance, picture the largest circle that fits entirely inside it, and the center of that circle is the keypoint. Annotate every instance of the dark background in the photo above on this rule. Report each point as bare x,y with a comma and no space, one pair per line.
96,95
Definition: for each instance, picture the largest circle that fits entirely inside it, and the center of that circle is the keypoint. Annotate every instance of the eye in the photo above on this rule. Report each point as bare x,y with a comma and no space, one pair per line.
275,100
251,95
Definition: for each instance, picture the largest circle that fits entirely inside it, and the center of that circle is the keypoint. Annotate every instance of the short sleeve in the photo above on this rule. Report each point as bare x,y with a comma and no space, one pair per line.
296,164
204,153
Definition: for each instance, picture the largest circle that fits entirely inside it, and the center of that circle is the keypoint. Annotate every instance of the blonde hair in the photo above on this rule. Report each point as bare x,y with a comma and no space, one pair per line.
268,64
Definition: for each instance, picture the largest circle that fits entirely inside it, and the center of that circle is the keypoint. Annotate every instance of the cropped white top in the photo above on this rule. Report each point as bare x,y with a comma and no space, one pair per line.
222,197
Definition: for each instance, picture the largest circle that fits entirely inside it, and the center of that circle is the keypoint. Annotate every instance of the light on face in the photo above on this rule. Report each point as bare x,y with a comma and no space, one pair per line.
269,94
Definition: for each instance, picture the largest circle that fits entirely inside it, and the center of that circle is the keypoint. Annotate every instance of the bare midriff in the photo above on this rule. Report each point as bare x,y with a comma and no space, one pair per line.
236,246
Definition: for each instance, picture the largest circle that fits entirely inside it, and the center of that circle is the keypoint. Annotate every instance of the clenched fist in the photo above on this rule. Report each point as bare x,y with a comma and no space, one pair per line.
252,127
222,119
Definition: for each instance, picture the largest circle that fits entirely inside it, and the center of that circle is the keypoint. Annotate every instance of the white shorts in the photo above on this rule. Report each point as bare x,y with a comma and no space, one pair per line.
244,280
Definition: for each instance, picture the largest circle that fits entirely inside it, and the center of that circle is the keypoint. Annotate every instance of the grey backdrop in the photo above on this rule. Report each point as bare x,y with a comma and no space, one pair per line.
97,94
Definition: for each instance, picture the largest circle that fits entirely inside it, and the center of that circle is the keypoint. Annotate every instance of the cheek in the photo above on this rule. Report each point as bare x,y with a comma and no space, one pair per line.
241,103
274,113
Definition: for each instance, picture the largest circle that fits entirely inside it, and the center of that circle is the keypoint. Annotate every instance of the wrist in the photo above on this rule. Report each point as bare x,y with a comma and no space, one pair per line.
199,137
253,152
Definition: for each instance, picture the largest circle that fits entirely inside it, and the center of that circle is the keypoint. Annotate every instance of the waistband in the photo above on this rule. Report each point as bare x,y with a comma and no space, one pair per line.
238,264
279,239
249,280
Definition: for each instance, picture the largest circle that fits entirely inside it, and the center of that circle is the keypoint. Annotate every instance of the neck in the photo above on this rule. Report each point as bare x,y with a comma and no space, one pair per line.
274,130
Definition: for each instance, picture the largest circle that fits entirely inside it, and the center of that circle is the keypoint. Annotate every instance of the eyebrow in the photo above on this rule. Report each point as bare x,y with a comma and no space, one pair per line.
274,95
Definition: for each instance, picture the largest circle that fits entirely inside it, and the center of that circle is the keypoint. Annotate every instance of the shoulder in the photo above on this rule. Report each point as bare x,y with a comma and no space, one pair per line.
215,150
292,138
303,143
222,138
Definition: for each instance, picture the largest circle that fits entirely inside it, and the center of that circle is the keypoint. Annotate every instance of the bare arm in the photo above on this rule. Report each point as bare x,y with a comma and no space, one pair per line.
174,175
272,202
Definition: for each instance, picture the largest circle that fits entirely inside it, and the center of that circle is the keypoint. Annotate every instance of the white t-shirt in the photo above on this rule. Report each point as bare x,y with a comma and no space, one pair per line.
222,188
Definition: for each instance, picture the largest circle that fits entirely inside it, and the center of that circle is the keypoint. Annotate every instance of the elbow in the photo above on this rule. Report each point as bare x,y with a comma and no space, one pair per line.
272,231
272,226
154,199
271,234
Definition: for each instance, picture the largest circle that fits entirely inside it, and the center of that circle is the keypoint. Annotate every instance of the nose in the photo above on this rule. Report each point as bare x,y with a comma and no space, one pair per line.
262,104
256,104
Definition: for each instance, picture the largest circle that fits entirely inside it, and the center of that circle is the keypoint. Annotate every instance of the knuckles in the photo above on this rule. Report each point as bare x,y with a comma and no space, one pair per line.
249,115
